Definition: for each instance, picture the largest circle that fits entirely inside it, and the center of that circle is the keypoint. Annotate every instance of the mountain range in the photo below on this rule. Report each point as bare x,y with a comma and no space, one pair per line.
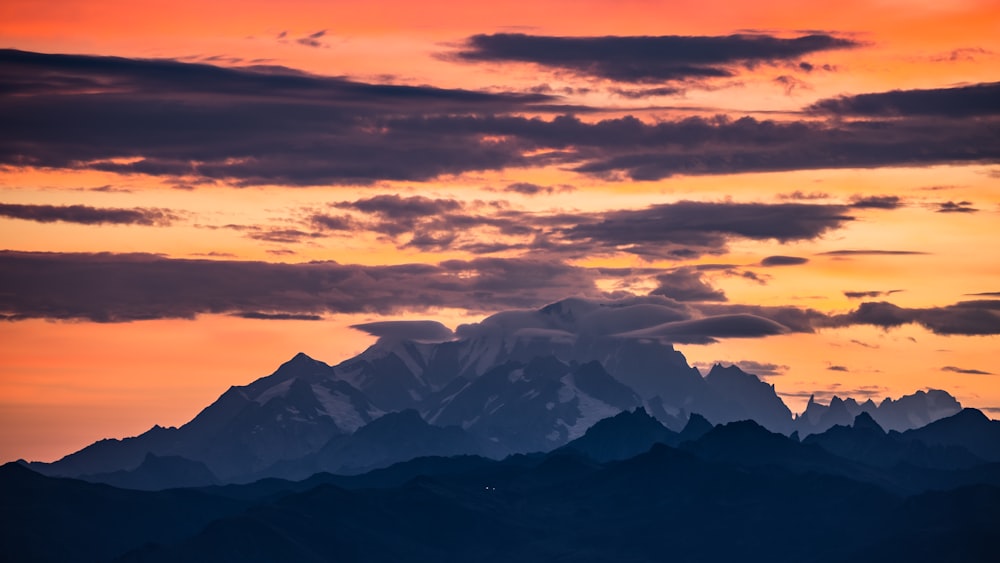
627,489
517,382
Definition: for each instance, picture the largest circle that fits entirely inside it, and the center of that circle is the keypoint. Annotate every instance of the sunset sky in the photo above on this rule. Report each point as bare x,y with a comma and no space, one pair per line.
192,192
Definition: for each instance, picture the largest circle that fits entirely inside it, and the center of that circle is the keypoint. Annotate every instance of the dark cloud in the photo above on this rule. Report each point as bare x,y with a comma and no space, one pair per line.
250,125
686,284
127,287
130,287
404,209
638,94
966,371
688,228
432,224
790,83
86,215
956,207
527,188
966,317
876,202
709,329
837,368
647,59
794,319
270,233
313,39
276,316
869,294
332,222
725,146
195,123
985,294
799,195
783,261
684,229
962,101
423,331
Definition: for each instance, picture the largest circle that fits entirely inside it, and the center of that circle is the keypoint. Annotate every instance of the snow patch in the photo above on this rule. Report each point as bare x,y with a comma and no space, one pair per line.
591,409
279,390
411,363
566,392
338,407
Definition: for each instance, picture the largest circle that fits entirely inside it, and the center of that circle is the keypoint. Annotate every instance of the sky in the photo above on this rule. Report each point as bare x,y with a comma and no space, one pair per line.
193,192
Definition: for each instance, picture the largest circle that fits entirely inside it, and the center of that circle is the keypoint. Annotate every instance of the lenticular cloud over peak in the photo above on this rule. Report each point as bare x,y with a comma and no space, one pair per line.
420,331
640,318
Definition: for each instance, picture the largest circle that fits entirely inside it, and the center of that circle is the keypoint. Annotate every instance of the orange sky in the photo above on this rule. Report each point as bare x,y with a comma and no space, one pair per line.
66,381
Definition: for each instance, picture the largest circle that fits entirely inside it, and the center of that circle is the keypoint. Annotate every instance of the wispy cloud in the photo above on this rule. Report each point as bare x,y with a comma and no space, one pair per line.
966,370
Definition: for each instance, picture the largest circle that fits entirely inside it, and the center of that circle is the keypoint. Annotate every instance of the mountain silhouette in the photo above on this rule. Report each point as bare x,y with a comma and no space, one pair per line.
157,473
517,382
622,436
732,491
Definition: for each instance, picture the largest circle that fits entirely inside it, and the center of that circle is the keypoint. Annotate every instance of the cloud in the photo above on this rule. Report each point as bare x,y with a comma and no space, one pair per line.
710,329
641,318
126,287
985,294
799,195
421,331
87,215
980,317
332,222
721,145
783,261
871,252
647,59
876,202
107,287
790,83
641,93
130,287
248,125
194,122
527,188
957,102
837,368
959,207
966,371
794,319
687,228
868,294
277,316
684,229
402,208
313,39
686,284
